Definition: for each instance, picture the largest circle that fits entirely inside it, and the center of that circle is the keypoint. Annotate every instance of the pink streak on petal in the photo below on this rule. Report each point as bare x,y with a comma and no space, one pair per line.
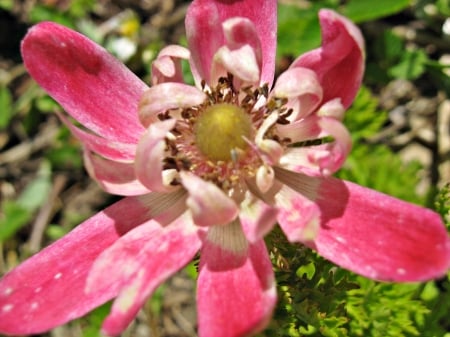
166,96
205,36
149,156
339,62
137,263
47,290
167,66
116,151
236,295
114,177
378,236
90,84
209,205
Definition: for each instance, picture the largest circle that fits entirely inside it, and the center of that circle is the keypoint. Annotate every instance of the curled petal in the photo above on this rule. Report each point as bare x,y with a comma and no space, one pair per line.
47,290
204,38
166,96
333,108
150,154
339,62
167,66
89,83
323,159
378,236
114,177
236,294
208,204
138,263
241,54
302,89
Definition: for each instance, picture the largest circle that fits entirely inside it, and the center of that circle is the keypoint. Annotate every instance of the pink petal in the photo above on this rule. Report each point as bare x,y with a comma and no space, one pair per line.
208,204
298,216
116,151
114,177
90,84
302,89
149,156
257,218
138,263
236,294
166,96
167,66
205,36
48,289
378,236
339,63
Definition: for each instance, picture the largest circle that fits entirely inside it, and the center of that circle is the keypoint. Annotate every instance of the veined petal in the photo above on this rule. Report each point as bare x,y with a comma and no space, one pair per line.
138,263
209,205
378,236
302,89
339,62
236,294
47,290
166,96
167,66
204,38
150,154
113,177
89,83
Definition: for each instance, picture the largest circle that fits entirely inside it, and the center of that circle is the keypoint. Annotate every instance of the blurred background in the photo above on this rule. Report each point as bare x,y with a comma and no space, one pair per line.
400,125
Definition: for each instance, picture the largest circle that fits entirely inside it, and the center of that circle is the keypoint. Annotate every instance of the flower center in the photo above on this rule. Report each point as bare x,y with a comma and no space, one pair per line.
220,131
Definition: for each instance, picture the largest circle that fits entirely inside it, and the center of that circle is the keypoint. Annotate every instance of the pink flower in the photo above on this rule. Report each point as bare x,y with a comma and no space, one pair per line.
211,168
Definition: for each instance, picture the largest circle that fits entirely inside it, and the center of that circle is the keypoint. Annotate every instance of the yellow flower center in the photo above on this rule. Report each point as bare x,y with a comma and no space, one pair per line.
220,131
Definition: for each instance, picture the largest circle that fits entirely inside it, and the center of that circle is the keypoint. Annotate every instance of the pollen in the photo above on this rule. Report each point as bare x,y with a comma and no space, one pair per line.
221,130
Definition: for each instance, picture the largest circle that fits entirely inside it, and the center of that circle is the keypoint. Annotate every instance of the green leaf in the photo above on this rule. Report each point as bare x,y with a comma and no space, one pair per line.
36,192
6,110
13,217
367,10
411,65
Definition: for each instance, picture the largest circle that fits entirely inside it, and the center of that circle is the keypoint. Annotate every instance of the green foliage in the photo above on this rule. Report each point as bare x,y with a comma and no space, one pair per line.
17,213
365,10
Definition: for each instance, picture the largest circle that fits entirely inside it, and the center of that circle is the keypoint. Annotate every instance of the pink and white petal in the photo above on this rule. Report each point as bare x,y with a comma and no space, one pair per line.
302,89
257,218
241,55
208,204
167,66
150,154
378,236
47,290
137,263
113,177
339,62
300,130
298,216
89,83
121,152
166,96
333,109
236,294
240,62
204,18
